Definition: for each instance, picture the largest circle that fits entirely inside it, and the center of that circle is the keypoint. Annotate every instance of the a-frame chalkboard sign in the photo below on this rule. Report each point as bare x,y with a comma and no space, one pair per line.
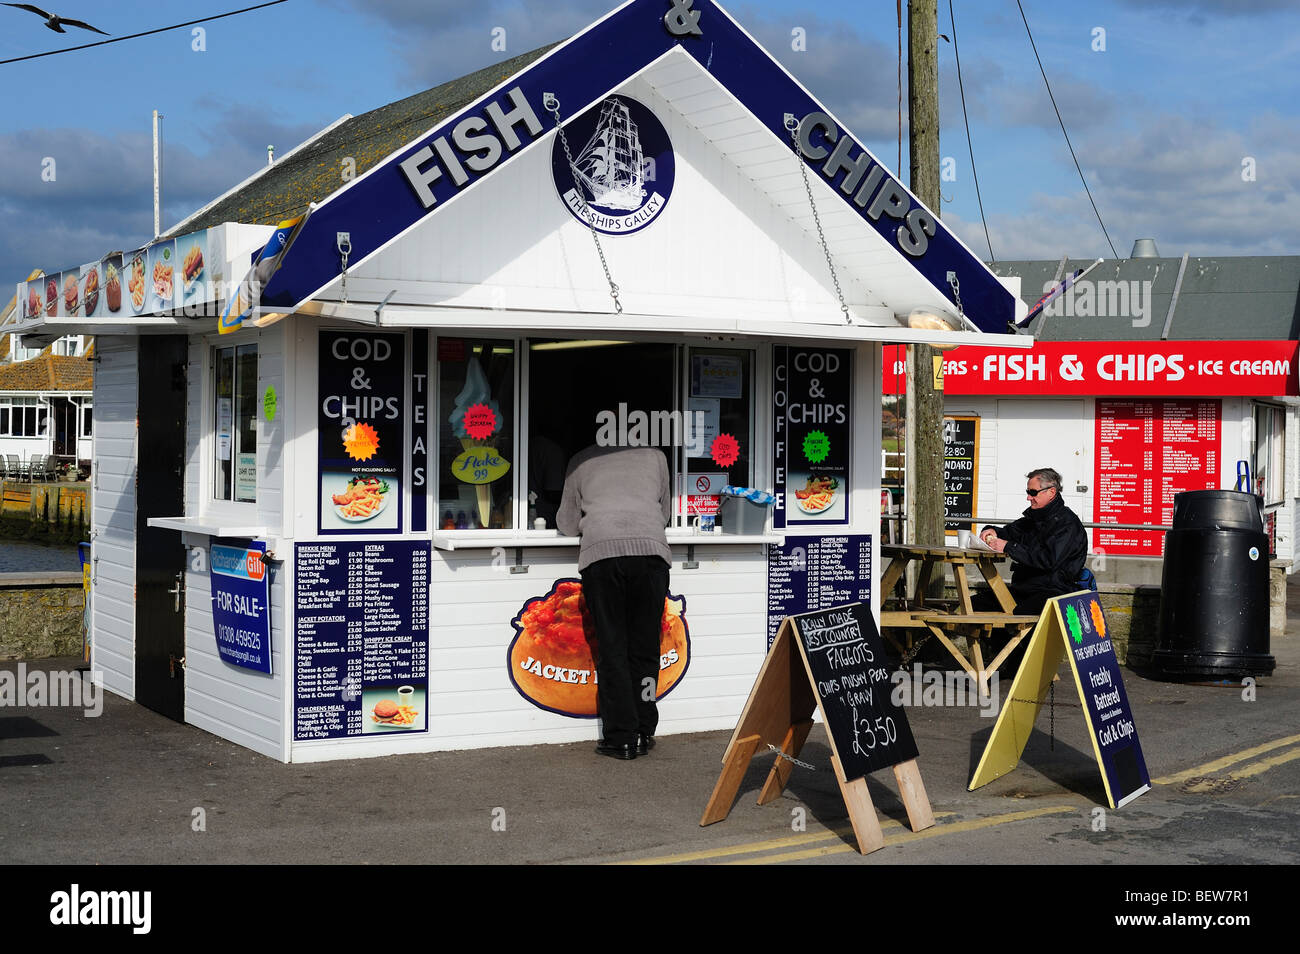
1074,627
832,661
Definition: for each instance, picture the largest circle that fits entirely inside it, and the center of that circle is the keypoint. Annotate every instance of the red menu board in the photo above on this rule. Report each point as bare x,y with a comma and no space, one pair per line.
1147,451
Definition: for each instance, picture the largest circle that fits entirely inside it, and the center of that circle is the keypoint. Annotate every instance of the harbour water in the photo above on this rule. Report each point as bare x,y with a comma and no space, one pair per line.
23,557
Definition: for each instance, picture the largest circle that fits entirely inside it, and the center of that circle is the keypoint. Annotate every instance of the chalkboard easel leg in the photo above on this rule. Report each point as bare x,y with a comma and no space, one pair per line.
862,811
781,768
728,784
919,813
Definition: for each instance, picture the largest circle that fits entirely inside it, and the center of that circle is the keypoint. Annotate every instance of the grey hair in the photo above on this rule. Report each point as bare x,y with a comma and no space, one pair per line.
1046,477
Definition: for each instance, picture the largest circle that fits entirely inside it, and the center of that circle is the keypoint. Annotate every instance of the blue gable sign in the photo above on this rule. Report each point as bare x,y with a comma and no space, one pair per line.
416,181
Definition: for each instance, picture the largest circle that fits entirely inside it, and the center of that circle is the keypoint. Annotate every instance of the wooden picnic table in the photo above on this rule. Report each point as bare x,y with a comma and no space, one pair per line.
947,620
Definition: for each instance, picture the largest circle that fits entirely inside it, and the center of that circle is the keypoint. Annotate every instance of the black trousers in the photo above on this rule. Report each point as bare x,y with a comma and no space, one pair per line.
625,596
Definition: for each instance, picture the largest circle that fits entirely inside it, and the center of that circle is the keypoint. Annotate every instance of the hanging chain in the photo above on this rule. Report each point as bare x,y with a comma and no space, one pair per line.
552,103
955,285
792,124
911,653
1051,711
344,244
791,758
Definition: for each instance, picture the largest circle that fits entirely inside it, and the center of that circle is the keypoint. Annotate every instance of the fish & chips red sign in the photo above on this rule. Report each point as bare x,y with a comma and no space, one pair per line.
1165,368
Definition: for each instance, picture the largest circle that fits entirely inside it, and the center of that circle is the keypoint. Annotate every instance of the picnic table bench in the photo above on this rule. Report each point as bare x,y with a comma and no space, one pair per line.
903,618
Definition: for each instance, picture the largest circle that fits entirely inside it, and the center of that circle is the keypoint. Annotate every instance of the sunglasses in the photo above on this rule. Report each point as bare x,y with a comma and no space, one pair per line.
1035,493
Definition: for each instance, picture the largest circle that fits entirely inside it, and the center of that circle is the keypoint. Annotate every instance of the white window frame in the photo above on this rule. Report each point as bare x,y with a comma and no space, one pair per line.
210,506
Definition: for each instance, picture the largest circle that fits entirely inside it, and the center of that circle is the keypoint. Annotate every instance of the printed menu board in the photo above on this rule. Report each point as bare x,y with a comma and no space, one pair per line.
812,402
813,573
361,640
961,440
1147,451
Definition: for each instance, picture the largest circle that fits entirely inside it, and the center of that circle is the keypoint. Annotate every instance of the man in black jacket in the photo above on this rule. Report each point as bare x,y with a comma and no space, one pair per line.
1047,546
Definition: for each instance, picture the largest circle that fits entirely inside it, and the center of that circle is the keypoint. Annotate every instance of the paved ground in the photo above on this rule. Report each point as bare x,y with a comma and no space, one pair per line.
133,787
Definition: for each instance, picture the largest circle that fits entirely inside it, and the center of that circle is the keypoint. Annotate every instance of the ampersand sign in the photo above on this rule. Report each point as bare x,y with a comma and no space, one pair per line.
681,20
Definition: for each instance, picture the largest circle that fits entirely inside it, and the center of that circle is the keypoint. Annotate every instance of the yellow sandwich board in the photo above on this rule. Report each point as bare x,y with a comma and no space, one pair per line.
1073,626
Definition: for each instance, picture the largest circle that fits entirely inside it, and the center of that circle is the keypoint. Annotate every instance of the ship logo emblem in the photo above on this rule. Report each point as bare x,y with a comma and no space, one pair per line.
622,175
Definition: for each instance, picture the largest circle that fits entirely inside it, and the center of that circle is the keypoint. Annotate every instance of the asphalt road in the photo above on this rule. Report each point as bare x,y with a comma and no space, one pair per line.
133,787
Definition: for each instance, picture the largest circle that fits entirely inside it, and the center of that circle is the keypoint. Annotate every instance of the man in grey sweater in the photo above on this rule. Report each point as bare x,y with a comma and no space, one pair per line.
618,500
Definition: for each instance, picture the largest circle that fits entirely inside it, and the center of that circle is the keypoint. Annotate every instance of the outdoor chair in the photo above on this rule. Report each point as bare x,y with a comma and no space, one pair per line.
35,466
15,467
50,471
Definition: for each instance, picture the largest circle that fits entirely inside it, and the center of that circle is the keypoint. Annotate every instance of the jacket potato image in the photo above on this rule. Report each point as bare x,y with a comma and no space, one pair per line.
551,657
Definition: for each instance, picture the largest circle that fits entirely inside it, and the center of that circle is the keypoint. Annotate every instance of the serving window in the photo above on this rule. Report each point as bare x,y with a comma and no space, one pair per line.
619,393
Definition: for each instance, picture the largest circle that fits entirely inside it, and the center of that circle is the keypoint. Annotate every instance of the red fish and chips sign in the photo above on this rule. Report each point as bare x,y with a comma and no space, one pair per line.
1158,368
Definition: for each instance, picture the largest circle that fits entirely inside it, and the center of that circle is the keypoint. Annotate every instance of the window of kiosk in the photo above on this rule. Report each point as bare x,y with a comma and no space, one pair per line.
235,423
1267,453
720,401
476,434
613,393
639,394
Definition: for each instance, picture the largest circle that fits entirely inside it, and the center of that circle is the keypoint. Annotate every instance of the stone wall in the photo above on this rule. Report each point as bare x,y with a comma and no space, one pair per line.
40,615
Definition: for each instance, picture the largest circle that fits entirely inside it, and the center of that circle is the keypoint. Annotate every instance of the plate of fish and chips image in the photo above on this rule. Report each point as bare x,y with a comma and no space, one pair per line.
818,495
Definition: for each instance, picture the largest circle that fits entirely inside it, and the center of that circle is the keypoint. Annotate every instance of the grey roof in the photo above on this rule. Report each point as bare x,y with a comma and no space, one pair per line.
315,171
1244,298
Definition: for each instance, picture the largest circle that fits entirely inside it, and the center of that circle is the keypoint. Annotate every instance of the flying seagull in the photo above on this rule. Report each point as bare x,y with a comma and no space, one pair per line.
54,21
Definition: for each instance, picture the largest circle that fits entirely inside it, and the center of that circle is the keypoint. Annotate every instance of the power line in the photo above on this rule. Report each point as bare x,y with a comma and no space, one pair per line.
134,36
1067,135
970,148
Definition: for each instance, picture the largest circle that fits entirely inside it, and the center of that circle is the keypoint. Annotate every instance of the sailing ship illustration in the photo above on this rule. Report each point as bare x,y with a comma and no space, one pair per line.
610,167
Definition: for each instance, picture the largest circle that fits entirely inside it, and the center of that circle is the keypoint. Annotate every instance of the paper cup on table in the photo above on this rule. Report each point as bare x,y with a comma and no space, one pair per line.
964,539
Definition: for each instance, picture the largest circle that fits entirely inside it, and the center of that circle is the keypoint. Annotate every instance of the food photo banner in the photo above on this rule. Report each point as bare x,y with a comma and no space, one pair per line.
185,275
362,432
811,416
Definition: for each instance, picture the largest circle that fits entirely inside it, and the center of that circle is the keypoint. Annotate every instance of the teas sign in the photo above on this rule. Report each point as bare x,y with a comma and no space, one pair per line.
846,660
241,606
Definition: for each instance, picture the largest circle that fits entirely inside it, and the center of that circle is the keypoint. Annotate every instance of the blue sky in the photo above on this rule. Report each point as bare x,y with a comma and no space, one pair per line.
1183,114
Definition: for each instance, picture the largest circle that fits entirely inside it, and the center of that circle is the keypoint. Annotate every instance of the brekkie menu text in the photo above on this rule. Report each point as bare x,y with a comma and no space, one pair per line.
361,639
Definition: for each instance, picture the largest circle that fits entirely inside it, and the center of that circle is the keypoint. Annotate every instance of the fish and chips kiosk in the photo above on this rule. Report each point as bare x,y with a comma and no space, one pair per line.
325,495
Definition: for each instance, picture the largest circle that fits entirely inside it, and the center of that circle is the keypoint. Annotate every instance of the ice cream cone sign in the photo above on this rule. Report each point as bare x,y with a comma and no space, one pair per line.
476,420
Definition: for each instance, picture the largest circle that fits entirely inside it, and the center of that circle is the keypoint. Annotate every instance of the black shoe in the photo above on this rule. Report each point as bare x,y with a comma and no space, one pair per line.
644,743
615,751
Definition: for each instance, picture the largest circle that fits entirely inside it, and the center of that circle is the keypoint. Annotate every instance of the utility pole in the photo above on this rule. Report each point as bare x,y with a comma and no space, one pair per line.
924,402
157,176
